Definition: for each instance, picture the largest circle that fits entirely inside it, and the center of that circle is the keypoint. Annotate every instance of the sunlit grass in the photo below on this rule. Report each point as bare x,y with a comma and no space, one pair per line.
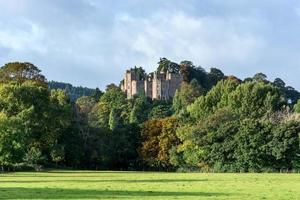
139,185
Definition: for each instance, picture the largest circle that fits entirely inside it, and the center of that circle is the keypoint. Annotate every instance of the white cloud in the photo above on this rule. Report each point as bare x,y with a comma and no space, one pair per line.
204,40
22,36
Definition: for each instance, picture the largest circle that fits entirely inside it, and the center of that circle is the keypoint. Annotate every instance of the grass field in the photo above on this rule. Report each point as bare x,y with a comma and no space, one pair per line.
139,185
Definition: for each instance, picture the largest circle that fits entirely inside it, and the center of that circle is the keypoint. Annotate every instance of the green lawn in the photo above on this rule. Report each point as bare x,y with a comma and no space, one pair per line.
140,185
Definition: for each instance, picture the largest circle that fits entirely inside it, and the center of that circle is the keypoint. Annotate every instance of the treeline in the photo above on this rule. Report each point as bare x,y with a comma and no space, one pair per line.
72,91
215,123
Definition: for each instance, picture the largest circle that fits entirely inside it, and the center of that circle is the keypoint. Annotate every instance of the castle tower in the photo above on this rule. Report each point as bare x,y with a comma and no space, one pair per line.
175,81
133,83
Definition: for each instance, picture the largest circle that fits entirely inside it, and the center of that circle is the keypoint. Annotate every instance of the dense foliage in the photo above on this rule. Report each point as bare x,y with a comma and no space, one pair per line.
214,123
72,91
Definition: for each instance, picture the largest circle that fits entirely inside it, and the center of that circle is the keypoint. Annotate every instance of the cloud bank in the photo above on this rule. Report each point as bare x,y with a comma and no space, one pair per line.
92,42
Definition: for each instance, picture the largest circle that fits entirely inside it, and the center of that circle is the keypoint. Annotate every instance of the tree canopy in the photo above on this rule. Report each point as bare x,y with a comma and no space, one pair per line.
214,123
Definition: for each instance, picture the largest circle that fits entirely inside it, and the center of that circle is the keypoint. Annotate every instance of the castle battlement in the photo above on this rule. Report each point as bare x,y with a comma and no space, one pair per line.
156,85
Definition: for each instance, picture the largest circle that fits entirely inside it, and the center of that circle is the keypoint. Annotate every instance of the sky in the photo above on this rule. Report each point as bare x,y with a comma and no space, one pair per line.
92,42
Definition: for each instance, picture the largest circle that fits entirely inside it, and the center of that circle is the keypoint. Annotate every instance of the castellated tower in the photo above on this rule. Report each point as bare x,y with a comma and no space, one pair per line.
133,82
165,85
157,85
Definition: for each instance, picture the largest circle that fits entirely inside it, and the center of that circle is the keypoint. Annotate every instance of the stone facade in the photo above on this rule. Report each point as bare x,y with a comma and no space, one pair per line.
133,83
161,86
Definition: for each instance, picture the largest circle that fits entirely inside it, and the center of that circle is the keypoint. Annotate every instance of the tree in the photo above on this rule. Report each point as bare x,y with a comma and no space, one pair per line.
260,77
284,145
73,92
21,72
255,99
44,117
186,95
157,139
99,115
297,107
57,154
59,118
217,139
34,158
251,143
279,83
208,144
190,72
104,113
214,76
85,116
121,150
97,94
12,147
114,119
160,111
291,95
218,97
86,104
30,103
113,96
165,65
149,149
140,109
167,140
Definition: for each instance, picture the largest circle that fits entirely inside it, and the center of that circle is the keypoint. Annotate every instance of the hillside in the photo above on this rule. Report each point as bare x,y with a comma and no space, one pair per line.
74,92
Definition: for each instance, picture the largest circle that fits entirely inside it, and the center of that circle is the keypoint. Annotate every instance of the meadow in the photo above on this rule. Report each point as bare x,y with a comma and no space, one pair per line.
147,185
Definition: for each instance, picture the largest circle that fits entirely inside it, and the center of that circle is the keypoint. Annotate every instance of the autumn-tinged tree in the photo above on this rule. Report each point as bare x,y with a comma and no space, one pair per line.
190,72
149,149
157,139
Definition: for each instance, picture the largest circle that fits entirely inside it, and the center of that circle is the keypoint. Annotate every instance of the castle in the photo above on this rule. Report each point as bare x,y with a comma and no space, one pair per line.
156,85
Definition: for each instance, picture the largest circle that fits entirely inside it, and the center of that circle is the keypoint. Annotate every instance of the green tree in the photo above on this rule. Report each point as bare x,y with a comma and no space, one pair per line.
251,143
284,145
279,83
186,95
214,76
297,107
165,65
160,111
12,147
34,158
217,97
260,77
255,99
57,154
21,72
114,119
97,94
140,109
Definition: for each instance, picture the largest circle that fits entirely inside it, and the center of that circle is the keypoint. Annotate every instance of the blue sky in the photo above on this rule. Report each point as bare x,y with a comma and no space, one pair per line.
92,42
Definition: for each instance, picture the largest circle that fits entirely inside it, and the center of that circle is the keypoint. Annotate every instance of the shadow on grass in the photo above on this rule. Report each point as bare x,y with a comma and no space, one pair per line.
107,180
97,172
53,193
